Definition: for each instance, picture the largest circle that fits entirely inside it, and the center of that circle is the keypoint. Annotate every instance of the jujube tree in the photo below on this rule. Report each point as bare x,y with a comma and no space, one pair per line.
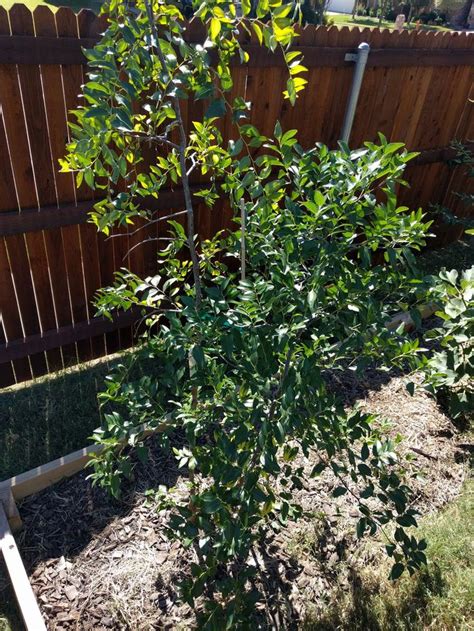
245,326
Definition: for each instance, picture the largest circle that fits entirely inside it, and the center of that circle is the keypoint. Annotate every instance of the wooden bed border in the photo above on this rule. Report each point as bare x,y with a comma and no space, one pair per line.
27,603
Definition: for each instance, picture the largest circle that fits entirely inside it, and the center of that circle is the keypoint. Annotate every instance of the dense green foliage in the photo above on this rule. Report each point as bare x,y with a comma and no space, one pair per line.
250,323
450,369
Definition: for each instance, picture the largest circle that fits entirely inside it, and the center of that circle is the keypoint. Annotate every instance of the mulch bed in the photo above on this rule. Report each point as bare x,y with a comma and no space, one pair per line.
101,564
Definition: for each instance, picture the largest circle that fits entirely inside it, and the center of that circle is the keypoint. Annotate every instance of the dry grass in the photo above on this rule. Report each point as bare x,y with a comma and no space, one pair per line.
440,598
126,580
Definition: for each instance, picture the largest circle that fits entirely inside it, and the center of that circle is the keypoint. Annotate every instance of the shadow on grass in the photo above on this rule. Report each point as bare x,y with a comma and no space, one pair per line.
45,419
361,612
10,619
49,418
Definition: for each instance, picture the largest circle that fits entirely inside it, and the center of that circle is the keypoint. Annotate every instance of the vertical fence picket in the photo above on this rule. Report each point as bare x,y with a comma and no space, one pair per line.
11,327
21,21
89,25
55,240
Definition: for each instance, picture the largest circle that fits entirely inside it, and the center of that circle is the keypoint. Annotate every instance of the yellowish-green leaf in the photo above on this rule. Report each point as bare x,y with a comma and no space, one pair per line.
297,69
283,11
292,55
215,28
258,32
246,7
263,8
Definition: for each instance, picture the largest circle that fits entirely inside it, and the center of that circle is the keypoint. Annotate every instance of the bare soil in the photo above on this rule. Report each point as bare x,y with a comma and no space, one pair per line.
100,564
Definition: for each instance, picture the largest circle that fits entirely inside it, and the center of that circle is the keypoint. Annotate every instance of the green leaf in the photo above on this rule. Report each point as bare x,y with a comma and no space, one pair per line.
198,355
89,178
215,28
210,503
364,454
406,521
216,109
277,131
258,32
339,490
312,295
364,469
361,526
290,93
318,469
228,345
397,571
246,7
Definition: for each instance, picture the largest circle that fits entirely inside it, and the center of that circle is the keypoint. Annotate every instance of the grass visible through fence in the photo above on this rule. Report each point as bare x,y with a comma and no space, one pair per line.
345,19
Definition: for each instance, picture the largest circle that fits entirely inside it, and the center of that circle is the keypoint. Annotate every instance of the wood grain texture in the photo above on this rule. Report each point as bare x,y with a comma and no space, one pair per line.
65,335
46,50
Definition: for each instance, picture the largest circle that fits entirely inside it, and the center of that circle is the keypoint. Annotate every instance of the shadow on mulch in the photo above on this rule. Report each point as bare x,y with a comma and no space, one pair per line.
63,519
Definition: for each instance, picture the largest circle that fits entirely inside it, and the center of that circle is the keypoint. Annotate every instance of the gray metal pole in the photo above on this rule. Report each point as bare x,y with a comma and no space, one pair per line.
361,61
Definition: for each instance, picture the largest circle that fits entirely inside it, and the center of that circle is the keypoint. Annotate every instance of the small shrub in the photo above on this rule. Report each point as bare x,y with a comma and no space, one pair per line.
450,369
245,327
390,15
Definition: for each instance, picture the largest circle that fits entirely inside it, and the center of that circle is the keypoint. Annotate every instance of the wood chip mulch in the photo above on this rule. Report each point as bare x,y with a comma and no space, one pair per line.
100,564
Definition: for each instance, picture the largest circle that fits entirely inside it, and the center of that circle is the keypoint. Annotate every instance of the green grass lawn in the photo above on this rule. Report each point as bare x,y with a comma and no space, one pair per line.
49,417
344,19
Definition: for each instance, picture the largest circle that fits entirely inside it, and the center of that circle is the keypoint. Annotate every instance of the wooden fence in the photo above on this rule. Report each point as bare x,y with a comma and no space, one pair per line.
416,89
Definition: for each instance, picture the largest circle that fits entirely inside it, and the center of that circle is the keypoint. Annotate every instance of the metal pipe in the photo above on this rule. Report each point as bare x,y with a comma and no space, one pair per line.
361,60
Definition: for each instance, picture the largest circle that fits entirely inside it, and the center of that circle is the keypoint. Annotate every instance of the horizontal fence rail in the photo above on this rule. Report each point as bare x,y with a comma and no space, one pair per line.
52,51
417,89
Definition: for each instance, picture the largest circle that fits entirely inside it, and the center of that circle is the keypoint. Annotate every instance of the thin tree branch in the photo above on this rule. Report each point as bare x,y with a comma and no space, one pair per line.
148,223
242,240
182,161
144,137
140,243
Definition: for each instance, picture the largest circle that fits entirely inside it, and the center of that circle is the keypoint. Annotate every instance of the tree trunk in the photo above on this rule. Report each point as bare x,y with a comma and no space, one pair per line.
462,16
